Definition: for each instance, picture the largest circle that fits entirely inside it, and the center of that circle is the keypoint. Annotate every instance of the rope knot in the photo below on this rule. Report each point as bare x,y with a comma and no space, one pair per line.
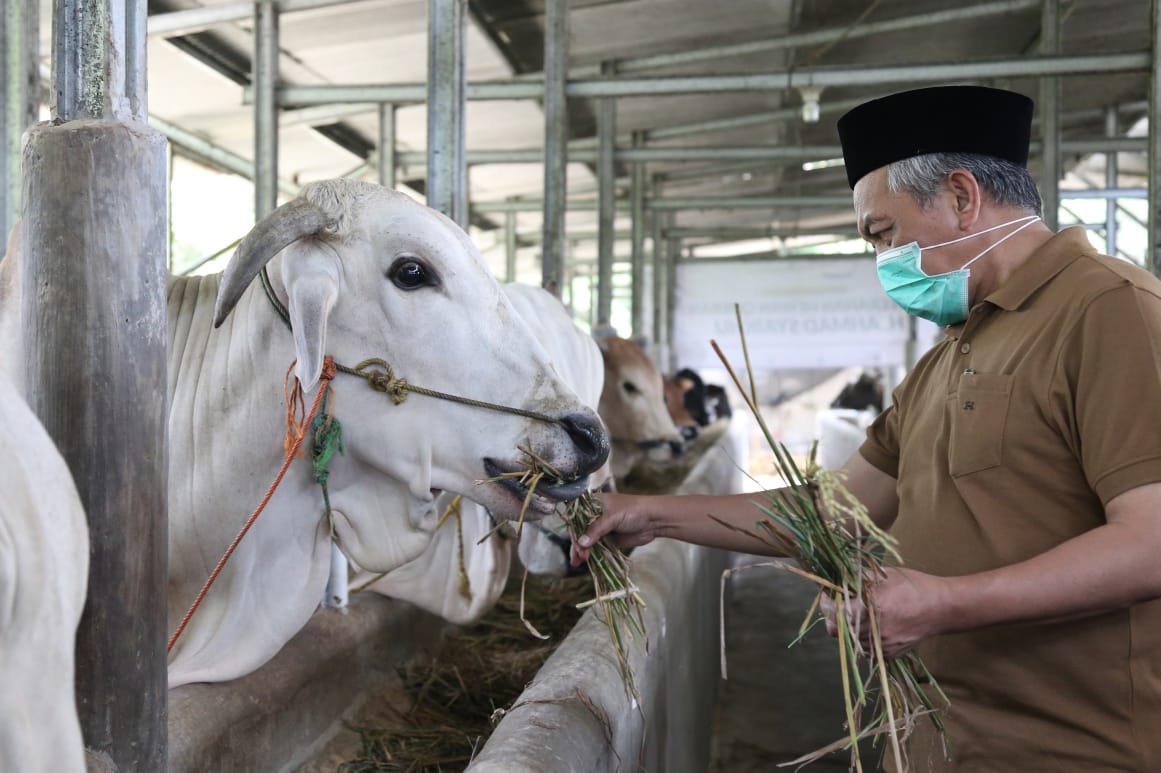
383,379
328,368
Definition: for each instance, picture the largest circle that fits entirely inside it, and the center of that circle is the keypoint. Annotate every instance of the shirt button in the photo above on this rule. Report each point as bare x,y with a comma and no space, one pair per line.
965,348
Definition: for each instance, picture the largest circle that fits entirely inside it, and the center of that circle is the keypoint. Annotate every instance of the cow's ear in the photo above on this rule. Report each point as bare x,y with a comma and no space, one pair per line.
312,284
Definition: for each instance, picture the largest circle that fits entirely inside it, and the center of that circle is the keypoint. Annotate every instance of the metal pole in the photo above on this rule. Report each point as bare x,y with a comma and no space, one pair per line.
637,278
93,320
669,361
660,220
387,145
1050,116
19,27
510,246
1153,237
607,198
445,108
555,143
1111,182
265,77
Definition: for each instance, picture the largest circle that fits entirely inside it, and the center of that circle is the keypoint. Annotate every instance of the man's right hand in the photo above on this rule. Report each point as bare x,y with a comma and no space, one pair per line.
624,519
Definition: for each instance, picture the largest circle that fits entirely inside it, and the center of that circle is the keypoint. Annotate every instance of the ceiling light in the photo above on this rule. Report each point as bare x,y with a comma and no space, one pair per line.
810,107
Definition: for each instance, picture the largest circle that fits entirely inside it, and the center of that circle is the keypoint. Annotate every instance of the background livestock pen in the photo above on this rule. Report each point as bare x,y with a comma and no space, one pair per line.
653,161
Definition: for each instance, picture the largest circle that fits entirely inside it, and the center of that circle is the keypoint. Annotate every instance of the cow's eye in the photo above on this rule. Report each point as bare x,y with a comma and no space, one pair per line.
410,274
630,387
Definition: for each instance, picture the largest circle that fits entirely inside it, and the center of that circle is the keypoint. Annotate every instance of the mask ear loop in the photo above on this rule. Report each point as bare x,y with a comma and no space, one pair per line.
1031,219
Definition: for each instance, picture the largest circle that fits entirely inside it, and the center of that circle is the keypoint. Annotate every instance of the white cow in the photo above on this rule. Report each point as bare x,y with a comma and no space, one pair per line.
364,272
840,432
457,578
44,569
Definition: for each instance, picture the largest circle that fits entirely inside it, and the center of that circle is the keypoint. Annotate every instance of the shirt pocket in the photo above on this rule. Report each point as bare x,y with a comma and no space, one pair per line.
979,412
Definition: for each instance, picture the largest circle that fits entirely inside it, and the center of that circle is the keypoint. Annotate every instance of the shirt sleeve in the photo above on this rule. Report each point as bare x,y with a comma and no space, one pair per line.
1107,391
881,448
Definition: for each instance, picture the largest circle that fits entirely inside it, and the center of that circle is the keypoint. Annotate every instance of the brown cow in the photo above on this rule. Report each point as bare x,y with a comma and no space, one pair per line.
633,408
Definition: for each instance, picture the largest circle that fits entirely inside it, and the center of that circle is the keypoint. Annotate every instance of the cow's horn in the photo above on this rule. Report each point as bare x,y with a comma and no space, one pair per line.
285,225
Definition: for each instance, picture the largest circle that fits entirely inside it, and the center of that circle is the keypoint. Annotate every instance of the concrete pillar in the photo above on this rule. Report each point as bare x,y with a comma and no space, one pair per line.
94,317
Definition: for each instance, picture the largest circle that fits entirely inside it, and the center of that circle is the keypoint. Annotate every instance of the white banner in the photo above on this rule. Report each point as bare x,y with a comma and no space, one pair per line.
797,313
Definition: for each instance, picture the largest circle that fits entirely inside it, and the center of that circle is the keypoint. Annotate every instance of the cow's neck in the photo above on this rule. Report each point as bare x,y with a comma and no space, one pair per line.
226,424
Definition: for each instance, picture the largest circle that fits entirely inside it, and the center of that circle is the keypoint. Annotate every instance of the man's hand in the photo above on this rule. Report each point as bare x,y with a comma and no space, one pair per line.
908,606
629,526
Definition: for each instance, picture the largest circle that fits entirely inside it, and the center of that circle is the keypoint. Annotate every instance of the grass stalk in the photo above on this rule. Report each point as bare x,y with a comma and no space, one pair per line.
828,533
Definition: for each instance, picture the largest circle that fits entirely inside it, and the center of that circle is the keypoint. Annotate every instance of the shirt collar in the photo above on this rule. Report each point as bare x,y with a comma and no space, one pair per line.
1047,261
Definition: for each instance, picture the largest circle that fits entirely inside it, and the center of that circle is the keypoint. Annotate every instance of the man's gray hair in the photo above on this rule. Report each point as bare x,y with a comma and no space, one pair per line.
1008,184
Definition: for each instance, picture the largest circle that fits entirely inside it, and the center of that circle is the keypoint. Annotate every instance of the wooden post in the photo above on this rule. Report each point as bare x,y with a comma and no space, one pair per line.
94,320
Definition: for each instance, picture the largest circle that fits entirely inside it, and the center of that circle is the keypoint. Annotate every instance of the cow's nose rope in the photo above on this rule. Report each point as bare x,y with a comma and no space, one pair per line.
382,378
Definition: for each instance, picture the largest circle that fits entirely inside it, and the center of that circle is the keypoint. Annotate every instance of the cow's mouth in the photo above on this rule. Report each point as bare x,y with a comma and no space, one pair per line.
548,494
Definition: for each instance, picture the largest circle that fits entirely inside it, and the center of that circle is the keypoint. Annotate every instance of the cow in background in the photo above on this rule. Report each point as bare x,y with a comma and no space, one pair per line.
634,410
693,404
842,428
864,393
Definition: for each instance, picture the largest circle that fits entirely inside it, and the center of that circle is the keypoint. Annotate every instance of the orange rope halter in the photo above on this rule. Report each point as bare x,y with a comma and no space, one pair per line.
328,373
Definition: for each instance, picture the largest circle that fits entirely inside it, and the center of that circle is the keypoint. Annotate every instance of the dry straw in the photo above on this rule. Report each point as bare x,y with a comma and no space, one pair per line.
844,555
619,599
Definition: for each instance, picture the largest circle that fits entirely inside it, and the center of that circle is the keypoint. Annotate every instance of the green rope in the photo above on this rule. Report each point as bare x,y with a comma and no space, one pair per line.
328,439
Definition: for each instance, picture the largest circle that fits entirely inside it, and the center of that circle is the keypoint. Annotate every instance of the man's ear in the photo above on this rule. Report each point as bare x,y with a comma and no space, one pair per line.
966,190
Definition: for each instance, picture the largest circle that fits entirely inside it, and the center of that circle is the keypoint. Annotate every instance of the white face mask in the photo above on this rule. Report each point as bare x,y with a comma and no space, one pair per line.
938,298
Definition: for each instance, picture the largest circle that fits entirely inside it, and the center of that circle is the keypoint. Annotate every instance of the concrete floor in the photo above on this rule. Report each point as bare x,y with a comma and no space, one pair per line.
778,703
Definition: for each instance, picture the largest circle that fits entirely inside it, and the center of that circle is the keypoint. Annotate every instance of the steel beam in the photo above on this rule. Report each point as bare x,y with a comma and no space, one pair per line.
175,23
214,155
934,72
784,153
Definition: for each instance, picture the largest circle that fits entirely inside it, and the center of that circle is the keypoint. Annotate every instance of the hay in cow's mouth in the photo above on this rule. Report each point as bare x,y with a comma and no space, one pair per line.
532,484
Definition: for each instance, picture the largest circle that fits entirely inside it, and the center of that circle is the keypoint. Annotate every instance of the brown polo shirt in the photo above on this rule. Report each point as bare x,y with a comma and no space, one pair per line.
1007,439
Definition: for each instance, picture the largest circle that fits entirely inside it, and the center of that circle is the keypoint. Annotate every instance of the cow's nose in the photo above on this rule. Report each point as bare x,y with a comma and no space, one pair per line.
589,437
